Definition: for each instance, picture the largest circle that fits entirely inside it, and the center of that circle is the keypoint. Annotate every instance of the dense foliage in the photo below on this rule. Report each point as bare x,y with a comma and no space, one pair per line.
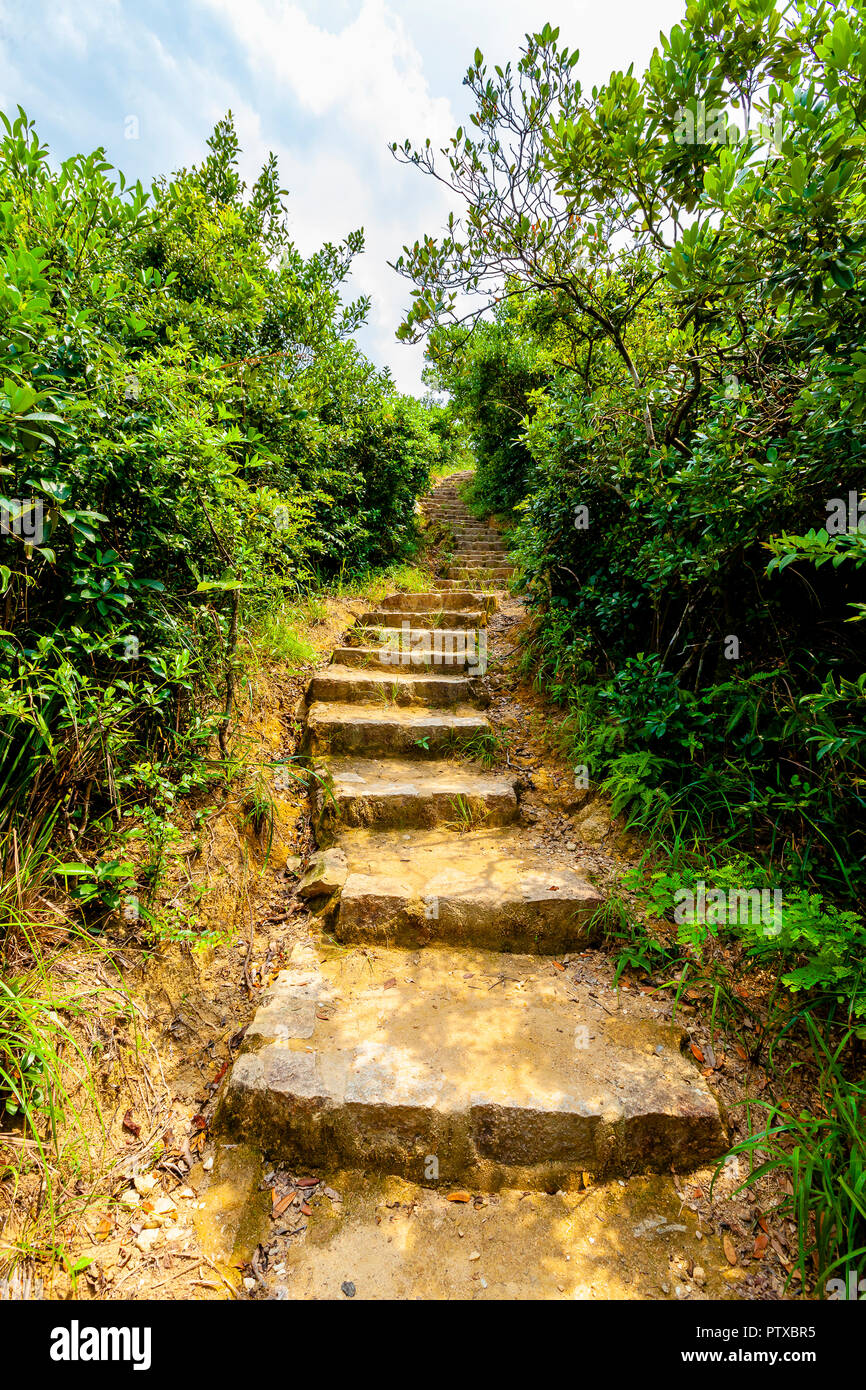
187,431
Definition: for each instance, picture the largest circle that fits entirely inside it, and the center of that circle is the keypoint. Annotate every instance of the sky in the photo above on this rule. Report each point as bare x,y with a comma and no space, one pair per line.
325,84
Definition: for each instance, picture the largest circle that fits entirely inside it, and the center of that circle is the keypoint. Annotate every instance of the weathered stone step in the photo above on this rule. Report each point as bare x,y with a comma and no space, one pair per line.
481,548
420,618
462,574
498,552
344,682
385,658
471,558
486,889
396,793
480,559
394,643
504,1071
484,585
459,602
401,730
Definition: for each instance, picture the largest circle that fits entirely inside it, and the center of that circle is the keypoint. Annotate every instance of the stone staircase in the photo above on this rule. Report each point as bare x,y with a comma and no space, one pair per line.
479,559
430,1031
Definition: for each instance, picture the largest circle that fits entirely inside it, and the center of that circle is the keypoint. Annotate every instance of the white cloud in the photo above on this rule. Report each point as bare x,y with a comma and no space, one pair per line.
364,85
369,75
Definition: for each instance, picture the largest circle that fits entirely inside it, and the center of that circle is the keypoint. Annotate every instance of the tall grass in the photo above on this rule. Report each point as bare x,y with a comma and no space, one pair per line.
823,1157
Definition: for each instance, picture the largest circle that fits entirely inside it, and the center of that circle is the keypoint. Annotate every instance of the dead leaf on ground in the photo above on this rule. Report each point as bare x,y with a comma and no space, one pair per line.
105,1228
730,1252
129,1124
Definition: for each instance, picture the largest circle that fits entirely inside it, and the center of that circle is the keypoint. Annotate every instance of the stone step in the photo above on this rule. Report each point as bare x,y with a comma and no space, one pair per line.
487,889
484,586
390,729
431,603
396,793
497,556
487,548
458,574
345,683
470,543
384,658
397,646
416,618
481,548
503,1070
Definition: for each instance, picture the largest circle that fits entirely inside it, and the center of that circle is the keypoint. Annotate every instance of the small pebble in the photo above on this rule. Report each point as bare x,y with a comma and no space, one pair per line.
348,1289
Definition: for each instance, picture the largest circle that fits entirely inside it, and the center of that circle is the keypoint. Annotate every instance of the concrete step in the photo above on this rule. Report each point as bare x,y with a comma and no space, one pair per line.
487,889
384,658
505,1071
381,729
418,618
397,793
344,682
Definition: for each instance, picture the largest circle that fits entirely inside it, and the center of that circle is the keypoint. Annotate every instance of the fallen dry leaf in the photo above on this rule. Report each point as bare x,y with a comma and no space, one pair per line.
730,1252
696,1052
129,1124
761,1243
105,1228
